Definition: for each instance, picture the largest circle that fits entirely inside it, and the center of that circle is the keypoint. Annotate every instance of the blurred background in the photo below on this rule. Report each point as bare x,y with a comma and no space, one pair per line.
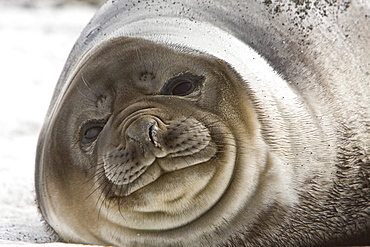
55,3
36,37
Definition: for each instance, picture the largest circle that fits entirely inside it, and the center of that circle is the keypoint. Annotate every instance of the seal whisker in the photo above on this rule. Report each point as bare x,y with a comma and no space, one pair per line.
78,89
191,115
97,177
119,206
91,179
102,197
88,86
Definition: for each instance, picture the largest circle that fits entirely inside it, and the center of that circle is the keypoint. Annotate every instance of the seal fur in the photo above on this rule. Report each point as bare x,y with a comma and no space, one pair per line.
282,157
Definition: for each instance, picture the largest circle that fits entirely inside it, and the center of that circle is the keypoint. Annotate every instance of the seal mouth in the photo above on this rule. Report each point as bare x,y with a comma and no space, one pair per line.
151,147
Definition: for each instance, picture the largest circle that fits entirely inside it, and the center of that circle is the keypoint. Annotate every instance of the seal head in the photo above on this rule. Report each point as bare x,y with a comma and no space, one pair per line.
156,142
224,124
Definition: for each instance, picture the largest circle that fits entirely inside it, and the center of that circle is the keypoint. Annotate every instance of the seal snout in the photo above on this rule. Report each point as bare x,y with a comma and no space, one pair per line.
151,147
145,131
179,137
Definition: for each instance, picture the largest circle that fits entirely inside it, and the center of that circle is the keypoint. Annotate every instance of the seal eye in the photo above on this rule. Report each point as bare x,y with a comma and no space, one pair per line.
183,84
183,88
91,130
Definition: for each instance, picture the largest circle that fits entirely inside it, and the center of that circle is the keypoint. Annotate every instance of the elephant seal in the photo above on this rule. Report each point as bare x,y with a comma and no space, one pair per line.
212,124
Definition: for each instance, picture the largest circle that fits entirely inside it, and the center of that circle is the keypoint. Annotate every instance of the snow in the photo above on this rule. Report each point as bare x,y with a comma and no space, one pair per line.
34,45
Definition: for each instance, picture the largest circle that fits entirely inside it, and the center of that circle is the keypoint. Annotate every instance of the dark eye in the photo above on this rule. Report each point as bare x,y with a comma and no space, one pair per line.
183,88
91,130
183,84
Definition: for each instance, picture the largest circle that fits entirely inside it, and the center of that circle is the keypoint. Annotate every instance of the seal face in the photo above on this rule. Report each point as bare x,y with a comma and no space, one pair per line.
154,142
153,158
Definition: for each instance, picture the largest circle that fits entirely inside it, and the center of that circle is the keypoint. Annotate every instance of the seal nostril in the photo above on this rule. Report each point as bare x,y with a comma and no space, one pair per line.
153,130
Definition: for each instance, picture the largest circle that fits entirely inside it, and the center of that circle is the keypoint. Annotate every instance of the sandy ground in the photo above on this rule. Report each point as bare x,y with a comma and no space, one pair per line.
35,40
